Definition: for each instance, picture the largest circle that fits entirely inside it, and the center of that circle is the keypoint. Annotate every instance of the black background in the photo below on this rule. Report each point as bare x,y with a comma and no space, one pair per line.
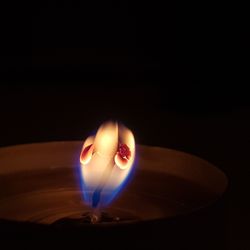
169,72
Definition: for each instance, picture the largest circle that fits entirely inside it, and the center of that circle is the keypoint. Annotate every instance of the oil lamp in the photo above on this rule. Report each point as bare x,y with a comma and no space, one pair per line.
75,183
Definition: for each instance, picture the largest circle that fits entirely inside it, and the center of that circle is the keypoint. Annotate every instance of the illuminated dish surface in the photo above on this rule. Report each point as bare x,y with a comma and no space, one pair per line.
40,183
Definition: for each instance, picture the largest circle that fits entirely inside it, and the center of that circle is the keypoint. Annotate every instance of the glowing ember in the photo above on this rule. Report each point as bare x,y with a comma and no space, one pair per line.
106,162
124,151
86,154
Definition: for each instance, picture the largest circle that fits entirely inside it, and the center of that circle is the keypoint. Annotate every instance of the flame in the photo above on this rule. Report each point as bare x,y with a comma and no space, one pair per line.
106,162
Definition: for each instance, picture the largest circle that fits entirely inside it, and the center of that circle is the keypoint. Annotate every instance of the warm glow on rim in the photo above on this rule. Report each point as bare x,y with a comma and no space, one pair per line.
106,160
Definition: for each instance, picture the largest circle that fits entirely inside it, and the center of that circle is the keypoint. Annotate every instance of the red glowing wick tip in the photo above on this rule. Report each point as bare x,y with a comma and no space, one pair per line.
85,152
124,151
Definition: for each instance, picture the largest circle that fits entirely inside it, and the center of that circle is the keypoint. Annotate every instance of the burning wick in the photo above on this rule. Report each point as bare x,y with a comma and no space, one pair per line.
106,162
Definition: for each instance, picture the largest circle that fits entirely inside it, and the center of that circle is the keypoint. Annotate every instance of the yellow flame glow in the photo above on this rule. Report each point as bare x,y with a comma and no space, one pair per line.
103,165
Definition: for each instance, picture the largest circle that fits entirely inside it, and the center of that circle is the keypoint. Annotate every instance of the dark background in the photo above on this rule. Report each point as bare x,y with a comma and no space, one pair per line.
169,72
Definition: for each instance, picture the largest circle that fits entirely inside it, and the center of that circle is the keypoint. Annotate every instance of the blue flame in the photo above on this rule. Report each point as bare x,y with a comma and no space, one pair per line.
92,197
